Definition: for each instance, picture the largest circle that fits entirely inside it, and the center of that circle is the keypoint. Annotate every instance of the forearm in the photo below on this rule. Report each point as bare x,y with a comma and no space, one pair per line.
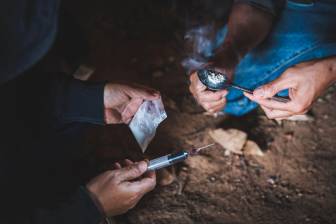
328,67
247,27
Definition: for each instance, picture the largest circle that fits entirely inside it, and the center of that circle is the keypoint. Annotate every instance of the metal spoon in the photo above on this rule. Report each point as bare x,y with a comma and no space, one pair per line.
214,80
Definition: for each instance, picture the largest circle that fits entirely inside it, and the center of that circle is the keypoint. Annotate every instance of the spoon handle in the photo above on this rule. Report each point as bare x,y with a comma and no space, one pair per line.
275,98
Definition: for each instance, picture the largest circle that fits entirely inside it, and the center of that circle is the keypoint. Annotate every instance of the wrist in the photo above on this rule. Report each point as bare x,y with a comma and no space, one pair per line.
227,56
332,69
328,66
96,202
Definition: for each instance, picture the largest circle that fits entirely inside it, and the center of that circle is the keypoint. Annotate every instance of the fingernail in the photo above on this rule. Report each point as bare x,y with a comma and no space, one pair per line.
142,166
260,92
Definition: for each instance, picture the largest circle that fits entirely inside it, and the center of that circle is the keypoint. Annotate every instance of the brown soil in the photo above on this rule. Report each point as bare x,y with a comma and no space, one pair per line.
295,182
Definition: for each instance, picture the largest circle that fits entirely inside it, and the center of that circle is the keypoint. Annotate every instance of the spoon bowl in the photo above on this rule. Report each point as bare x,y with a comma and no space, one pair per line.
213,80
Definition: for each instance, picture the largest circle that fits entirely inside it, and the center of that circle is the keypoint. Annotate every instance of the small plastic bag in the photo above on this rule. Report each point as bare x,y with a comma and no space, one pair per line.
145,121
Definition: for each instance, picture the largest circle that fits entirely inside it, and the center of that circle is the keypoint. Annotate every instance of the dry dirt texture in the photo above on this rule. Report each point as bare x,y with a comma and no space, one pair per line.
295,181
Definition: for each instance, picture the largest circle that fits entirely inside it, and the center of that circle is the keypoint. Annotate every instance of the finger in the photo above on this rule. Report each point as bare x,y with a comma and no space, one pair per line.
218,108
116,166
112,116
131,172
130,110
196,84
272,88
144,185
144,92
208,96
210,106
271,104
128,162
276,114
150,174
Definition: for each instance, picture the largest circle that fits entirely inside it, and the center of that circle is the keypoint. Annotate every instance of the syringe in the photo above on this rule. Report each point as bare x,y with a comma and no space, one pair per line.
171,159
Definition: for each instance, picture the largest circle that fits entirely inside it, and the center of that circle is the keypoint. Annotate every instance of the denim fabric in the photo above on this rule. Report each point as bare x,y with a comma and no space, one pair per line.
272,6
301,33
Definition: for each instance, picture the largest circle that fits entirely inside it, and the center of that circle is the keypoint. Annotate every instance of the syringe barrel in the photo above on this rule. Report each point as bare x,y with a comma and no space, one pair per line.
167,160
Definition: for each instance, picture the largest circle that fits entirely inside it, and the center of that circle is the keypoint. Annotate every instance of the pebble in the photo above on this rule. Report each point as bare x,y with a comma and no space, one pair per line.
252,148
157,74
320,100
232,140
171,59
272,180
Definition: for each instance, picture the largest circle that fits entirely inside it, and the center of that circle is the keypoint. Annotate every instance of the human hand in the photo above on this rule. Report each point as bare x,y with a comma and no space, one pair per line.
121,102
119,190
305,81
211,101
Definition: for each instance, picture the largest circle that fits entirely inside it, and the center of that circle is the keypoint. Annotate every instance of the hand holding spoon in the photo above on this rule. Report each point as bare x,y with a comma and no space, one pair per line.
214,80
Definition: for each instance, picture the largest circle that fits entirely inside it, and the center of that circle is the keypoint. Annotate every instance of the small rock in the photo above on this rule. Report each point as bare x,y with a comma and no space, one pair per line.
171,59
212,179
215,115
328,96
252,148
300,117
170,103
157,74
165,177
184,168
272,180
232,140
289,135
84,72
320,100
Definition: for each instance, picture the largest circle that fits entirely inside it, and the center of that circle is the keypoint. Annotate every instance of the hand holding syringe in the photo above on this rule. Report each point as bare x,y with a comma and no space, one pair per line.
171,159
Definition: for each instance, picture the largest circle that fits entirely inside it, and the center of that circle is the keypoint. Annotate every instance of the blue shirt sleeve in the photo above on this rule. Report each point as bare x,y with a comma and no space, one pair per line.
271,6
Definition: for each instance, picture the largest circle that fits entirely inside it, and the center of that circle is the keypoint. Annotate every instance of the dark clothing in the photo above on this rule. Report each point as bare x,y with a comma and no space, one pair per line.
27,30
40,149
42,118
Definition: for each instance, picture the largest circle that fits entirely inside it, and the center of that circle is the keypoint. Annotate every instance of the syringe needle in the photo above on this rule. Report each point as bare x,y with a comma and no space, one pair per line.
204,147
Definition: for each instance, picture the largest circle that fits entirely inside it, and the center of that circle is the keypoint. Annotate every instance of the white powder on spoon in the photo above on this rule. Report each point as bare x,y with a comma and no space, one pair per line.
216,78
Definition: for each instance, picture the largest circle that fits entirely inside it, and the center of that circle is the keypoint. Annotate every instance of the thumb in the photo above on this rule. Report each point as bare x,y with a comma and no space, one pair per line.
272,88
144,93
131,172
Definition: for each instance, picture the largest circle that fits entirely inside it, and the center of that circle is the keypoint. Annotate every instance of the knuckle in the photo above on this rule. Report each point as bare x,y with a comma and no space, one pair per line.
270,89
191,88
191,77
296,109
289,72
111,173
206,106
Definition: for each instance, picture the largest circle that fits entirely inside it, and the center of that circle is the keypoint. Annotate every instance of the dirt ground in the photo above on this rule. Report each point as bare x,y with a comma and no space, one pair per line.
294,182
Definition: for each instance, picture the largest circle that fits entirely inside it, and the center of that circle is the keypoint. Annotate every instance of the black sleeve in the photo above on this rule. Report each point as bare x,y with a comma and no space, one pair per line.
77,101
271,6
39,181
80,209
